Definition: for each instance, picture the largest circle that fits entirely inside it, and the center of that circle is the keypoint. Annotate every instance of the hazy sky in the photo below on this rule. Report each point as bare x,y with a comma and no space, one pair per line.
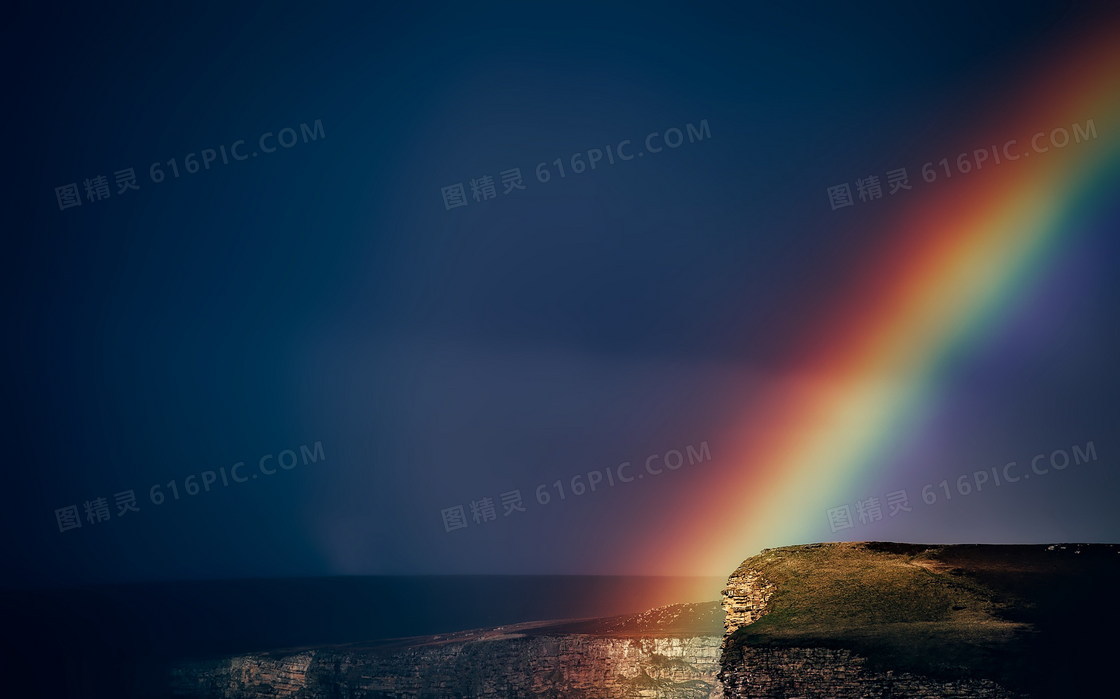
325,293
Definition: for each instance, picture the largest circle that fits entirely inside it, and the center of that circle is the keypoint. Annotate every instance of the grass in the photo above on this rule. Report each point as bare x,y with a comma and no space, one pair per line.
950,612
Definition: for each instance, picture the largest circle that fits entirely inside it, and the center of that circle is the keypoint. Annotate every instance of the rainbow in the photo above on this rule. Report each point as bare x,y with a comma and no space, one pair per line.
961,257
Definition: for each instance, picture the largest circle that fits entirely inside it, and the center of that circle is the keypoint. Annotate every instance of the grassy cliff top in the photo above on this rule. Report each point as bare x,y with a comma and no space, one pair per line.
997,611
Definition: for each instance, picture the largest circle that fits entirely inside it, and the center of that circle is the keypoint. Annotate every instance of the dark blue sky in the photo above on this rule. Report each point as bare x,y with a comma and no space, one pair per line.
324,293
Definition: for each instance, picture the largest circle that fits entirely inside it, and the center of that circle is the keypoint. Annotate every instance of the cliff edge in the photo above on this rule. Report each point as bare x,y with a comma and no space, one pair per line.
914,620
670,652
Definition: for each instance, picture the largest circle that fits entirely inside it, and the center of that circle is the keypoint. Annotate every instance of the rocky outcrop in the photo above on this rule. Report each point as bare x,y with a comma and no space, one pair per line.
877,619
607,658
838,674
745,598
840,620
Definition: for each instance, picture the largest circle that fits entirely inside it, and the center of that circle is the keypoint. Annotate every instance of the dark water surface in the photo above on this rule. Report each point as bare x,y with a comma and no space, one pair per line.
91,638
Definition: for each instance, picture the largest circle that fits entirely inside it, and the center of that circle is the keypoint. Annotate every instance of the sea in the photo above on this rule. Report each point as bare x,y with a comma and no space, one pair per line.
103,640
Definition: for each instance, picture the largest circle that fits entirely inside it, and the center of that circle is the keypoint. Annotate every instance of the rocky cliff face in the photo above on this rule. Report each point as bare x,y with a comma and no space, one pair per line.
898,620
837,674
839,620
745,598
672,653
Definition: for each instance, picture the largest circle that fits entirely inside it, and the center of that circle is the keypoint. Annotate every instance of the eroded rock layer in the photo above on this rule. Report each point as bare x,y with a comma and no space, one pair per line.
670,653
878,619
